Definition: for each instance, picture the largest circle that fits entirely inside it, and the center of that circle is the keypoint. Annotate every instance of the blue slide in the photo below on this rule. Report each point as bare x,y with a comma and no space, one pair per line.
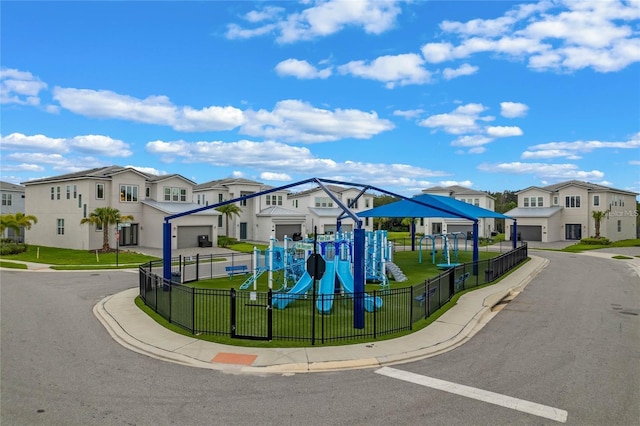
281,300
327,289
346,279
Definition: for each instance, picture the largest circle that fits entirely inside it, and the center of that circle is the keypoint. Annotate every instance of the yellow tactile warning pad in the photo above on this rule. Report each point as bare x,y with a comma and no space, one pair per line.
231,358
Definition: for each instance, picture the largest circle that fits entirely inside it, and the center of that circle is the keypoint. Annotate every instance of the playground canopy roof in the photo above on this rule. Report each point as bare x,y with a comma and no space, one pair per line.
427,205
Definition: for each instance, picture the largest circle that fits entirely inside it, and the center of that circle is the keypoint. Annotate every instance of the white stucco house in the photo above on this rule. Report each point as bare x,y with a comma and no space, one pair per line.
321,212
435,226
564,211
12,202
61,202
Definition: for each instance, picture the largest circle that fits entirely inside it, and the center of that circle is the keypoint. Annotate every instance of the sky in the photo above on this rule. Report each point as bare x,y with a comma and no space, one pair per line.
401,95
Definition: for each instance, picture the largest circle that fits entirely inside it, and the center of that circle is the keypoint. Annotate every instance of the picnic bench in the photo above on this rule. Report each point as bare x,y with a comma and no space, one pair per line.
236,269
427,294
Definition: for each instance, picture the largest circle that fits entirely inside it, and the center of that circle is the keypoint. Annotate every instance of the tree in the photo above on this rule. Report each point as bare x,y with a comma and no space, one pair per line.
17,222
598,216
105,216
229,210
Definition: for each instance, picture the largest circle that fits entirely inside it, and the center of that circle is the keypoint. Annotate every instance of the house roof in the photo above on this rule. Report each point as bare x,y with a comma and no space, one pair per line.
333,188
277,211
456,190
326,212
542,212
226,182
589,186
8,186
176,208
433,206
104,173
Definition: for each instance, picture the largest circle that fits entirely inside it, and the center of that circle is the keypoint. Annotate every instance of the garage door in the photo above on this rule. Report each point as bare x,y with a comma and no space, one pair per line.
530,232
460,228
288,230
188,235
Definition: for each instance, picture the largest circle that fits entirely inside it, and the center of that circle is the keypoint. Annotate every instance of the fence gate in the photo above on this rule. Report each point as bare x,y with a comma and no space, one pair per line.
251,315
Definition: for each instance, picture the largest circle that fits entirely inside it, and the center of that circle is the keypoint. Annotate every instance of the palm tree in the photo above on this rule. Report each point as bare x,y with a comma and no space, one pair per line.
17,222
229,210
105,216
597,217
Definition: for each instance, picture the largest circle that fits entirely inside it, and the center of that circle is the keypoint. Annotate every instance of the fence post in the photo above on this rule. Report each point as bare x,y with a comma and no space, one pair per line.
197,266
270,315
232,312
193,310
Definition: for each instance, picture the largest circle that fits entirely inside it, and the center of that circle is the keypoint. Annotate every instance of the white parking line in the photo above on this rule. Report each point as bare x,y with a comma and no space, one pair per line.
479,394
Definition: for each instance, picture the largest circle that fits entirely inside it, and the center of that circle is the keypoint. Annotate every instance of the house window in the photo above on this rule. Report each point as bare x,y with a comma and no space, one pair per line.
60,226
533,201
99,227
555,200
128,193
53,192
619,226
350,201
366,221
220,221
366,203
572,201
220,198
100,191
147,192
476,202
323,202
75,191
68,192
596,200
540,202
57,192
268,200
526,201
6,199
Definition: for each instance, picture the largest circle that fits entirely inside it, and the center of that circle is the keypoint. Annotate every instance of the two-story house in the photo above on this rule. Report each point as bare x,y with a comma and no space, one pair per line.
12,196
436,226
322,213
61,202
564,211
259,217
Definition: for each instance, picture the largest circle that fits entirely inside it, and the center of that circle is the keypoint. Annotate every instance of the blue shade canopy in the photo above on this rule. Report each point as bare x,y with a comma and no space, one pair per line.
428,205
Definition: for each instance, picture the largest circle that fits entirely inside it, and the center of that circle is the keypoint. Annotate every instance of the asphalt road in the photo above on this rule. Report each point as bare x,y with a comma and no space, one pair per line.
571,340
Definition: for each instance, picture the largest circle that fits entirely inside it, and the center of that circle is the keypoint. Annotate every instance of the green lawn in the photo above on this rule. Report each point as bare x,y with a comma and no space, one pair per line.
78,259
577,248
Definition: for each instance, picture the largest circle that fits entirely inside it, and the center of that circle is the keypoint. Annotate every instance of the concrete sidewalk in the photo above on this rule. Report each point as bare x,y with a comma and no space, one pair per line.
129,326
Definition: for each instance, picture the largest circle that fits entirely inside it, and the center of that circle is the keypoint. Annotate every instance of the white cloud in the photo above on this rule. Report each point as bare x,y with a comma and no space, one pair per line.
472,141
464,69
572,150
280,159
393,70
297,121
301,69
635,162
560,36
320,20
513,109
543,170
151,110
465,183
149,170
19,87
278,177
85,144
461,120
412,113
503,131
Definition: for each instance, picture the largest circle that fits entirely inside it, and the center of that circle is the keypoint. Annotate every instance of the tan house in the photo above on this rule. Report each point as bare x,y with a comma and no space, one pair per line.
61,202
564,211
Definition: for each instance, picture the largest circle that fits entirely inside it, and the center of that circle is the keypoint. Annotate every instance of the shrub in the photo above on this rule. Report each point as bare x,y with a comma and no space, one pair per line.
601,241
9,247
224,241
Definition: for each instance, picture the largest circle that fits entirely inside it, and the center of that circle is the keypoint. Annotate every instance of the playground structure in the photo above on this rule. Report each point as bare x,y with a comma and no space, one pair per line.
448,261
338,277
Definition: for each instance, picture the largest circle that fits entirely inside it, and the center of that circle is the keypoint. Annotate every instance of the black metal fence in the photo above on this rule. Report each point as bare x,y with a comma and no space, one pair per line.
253,315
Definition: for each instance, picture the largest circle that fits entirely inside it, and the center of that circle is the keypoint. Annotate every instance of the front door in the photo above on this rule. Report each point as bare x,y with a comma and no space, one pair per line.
573,232
436,228
243,230
129,235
